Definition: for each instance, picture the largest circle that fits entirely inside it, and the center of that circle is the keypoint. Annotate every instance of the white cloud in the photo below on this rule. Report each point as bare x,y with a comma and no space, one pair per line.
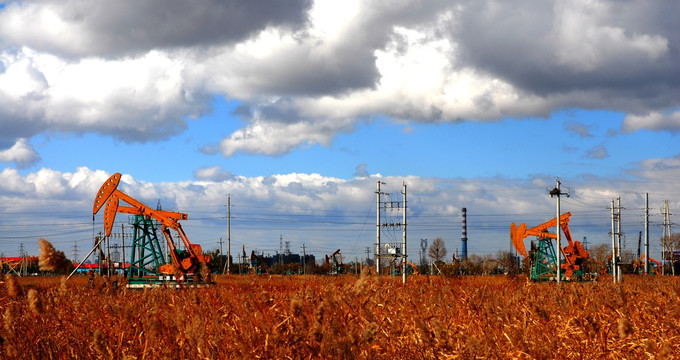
21,153
13,183
268,137
213,173
72,28
48,183
132,99
598,152
360,171
654,121
126,71
578,128
659,169
329,212
585,38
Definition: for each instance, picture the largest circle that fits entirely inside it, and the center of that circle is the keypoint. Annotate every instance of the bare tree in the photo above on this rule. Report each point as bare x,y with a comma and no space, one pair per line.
509,262
670,244
437,250
601,253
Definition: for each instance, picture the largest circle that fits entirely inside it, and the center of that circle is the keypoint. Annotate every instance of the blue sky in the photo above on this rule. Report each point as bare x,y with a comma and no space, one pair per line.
298,110
498,148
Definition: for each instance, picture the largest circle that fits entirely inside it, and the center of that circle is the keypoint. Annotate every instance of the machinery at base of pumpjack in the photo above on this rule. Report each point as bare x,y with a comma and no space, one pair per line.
258,264
395,267
542,255
334,261
654,266
148,266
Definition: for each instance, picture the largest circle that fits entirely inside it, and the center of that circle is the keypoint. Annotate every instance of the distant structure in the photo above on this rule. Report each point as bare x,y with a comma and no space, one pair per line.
464,238
288,258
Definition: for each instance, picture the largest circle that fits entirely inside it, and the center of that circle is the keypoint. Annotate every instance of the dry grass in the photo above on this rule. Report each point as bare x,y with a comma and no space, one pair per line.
342,317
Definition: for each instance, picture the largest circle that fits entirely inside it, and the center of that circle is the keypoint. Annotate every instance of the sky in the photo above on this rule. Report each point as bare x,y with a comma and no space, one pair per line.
292,111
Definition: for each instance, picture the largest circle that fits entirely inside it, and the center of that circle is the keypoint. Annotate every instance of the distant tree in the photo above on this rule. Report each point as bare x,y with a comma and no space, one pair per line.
437,250
509,262
671,244
473,265
452,269
600,253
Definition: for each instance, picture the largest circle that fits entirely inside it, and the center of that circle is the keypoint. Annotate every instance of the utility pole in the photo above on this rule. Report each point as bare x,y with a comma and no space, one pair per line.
618,235
22,254
228,235
377,230
614,252
222,263
556,192
663,243
403,249
281,249
242,261
668,214
304,260
559,231
646,233
395,251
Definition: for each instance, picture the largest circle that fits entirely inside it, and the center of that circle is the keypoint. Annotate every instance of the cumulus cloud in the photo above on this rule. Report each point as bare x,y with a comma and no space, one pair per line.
360,171
325,211
213,173
598,152
662,169
654,121
587,38
137,99
307,71
571,48
21,153
578,128
271,138
100,28
13,183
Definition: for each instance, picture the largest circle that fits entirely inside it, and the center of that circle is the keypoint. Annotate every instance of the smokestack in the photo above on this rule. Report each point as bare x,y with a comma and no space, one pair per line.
464,238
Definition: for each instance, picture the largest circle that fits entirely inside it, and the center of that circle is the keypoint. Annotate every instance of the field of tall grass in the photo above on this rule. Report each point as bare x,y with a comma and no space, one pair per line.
341,317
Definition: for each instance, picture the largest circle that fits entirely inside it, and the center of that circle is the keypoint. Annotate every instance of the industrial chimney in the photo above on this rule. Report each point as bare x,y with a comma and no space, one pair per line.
464,238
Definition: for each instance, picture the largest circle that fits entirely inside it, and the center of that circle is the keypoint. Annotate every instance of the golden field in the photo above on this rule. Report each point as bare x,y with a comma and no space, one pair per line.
342,317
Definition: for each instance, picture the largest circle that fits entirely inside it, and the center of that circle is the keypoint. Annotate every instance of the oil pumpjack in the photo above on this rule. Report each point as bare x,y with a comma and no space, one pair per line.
148,266
543,257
